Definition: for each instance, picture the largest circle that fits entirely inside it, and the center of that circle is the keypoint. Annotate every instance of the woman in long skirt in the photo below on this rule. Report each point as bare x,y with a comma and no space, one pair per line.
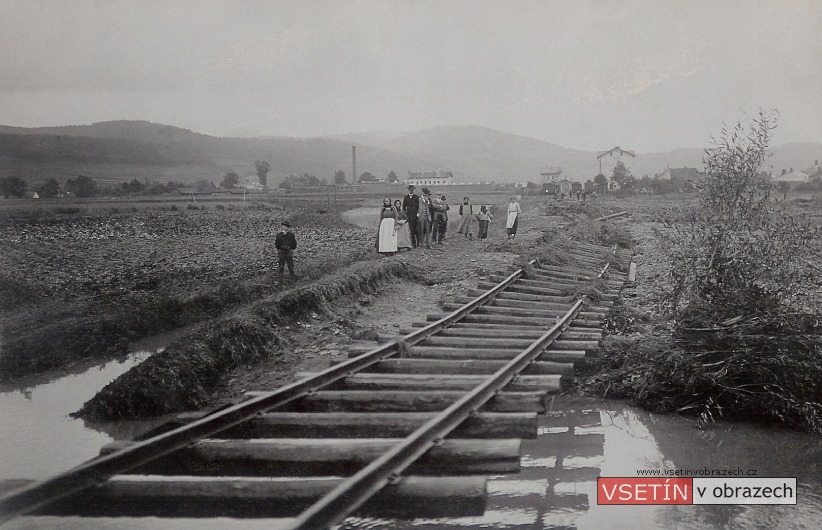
513,217
403,231
387,237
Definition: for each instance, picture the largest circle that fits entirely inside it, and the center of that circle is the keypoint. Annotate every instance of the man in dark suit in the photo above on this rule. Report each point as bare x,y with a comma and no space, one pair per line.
411,207
425,217
285,243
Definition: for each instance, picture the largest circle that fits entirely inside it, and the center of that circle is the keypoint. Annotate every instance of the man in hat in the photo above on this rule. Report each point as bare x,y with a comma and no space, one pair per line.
440,224
285,243
466,218
411,207
425,216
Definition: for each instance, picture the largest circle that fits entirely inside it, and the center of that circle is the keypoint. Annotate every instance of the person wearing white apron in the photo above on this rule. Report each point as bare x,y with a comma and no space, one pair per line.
513,217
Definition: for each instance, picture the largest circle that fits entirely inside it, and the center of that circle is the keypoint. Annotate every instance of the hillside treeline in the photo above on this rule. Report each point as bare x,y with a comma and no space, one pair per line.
56,148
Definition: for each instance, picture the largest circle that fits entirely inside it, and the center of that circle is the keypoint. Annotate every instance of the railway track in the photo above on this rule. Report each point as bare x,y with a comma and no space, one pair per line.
407,429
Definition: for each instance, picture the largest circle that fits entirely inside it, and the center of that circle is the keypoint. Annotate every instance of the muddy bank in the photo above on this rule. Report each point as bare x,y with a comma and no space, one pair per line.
189,369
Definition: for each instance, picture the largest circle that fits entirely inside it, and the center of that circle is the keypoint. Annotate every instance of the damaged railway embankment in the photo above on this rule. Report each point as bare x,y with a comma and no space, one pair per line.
724,321
183,375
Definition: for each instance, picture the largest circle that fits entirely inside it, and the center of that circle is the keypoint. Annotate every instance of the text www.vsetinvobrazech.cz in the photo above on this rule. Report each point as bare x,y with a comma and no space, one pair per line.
700,472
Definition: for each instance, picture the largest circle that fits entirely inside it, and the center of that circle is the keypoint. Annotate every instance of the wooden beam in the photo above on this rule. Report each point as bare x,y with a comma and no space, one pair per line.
409,401
469,366
256,497
376,425
326,456
366,381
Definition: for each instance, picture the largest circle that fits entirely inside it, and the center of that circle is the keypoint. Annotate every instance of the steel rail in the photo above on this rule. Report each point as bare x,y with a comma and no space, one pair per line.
41,493
354,491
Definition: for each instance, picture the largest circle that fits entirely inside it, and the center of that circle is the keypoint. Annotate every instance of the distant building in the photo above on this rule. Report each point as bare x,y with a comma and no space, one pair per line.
680,175
792,177
609,159
430,178
814,172
551,175
565,186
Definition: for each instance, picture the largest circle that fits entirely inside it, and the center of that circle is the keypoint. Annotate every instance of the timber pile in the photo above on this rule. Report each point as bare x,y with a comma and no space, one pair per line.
407,429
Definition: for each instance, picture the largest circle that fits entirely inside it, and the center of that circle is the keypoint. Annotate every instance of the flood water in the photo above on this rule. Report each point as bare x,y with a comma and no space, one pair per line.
583,439
579,440
38,438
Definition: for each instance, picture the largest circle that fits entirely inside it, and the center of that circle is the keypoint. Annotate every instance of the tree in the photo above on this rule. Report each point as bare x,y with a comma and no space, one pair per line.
204,185
262,167
135,186
392,177
13,187
51,188
310,180
622,176
367,177
339,177
230,180
602,182
82,186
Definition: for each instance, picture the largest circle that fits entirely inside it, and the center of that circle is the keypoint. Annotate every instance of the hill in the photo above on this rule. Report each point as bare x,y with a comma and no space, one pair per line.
118,151
122,150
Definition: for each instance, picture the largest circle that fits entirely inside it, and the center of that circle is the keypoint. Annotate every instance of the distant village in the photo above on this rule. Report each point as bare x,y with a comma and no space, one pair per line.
616,173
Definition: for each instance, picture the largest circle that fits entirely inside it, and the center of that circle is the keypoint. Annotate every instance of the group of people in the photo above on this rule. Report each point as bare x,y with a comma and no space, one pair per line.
419,221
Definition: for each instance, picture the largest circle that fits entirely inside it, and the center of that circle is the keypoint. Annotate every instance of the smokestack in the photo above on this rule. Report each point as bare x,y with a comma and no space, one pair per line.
354,164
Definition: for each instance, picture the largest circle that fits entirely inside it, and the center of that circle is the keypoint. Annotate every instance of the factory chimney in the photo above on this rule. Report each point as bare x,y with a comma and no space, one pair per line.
354,164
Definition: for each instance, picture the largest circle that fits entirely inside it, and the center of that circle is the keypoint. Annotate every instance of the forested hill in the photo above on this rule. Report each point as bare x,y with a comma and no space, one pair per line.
118,151
122,150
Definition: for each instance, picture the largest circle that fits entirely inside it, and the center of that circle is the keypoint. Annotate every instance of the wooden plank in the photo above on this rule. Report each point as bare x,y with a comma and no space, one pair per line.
370,381
509,295
257,497
612,216
409,401
327,456
481,343
459,354
469,366
474,332
378,425
537,313
577,325
632,272
528,289
374,424
538,281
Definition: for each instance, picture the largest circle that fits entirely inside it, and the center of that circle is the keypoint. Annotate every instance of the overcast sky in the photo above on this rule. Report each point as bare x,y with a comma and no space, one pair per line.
647,75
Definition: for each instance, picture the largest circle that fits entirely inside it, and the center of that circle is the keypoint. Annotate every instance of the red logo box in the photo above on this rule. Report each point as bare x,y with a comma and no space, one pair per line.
644,490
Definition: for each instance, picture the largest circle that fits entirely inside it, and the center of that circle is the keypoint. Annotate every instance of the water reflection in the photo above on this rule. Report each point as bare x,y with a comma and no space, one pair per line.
37,437
583,439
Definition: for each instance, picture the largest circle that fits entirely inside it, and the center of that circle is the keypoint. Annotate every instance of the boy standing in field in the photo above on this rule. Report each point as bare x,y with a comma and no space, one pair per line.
285,243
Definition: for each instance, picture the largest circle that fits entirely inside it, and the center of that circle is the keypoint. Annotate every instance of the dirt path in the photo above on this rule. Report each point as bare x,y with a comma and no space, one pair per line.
450,269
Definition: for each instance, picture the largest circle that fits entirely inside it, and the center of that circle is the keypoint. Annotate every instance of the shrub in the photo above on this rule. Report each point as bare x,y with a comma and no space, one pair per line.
739,252
744,341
